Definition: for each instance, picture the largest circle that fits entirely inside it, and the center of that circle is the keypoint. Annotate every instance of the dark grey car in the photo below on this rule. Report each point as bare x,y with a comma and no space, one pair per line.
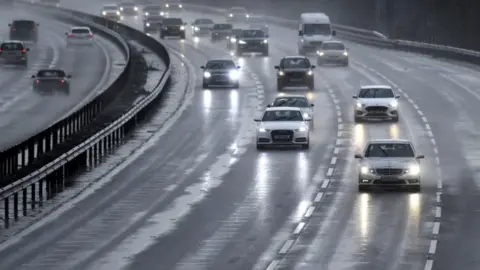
153,24
24,30
51,80
295,71
221,31
172,27
252,41
14,52
221,73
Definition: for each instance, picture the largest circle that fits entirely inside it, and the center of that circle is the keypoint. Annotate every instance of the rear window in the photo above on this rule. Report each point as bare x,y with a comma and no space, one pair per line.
12,46
24,24
51,73
223,26
203,21
80,31
173,22
238,10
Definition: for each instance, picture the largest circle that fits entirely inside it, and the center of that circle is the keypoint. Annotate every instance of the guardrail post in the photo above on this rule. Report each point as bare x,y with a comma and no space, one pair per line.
54,138
6,218
41,185
15,206
31,152
24,202
34,196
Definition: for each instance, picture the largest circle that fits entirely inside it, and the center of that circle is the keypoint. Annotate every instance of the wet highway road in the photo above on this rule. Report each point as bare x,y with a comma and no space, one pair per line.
203,197
24,112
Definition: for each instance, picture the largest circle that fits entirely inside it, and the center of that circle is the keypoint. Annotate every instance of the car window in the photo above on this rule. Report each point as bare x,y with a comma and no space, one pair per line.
12,46
152,8
127,4
252,33
173,21
220,64
51,74
203,21
24,24
400,150
282,115
80,31
291,102
333,46
376,93
223,26
113,8
155,19
316,29
238,10
295,63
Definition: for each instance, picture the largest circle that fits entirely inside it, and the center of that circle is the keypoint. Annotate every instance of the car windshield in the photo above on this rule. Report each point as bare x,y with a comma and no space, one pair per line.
203,21
282,115
300,102
238,10
51,73
220,64
110,8
24,24
223,26
155,19
80,31
173,21
127,4
398,150
256,20
376,93
316,29
252,34
295,63
12,46
152,8
236,32
337,46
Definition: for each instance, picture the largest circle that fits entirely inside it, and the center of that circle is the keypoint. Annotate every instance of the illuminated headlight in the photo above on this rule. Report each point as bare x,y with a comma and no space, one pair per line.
281,73
118,13
345,54
359,105
182,27
365,170
320,53
414,170
394,104
242,42
162,13
180,6
248,16
233,40
306,115
207,74
121,8
234,74
135,8
146,13
302,129
231,15
167,5
310,73
147,24
265,41
263,130
196,28
104,13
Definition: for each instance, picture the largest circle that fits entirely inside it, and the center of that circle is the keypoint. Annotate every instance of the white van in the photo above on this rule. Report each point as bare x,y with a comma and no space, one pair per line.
314,28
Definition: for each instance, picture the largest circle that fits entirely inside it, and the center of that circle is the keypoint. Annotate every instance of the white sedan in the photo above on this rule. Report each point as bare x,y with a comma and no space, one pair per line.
283,126
376,102
80,35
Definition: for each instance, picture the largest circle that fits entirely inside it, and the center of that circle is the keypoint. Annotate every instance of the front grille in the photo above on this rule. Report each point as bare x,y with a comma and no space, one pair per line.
394,182
376,109
282,135
296,74
389,171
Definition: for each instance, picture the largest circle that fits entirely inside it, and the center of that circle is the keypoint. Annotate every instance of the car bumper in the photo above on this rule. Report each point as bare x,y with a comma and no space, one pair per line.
167,33
220,81
113,17
289,81
219,36
332,59
364,114
298,138
80,41
252,48
25,37
50,87
14,61
388,181
202,32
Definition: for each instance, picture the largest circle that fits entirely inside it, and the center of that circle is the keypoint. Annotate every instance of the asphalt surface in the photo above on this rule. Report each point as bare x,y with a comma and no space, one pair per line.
203,197
24,112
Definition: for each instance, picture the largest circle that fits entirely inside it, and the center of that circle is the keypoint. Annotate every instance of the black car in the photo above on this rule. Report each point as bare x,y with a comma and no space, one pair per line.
50,80
152,10
221,73
252,41
128,8
153,23
202,27
172,27
24,30
221,31
232,38
174,6
295,71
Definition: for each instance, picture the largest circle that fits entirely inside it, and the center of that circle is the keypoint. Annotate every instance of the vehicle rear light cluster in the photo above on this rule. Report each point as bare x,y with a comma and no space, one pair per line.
90,35
38,81
62,81
24,51
13,29
71,35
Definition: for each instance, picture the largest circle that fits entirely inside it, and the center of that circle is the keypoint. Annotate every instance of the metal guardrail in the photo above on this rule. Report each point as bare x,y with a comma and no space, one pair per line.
50,169
368,37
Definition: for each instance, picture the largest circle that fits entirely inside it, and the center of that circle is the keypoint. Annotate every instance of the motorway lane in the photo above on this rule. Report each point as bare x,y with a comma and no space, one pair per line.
25,112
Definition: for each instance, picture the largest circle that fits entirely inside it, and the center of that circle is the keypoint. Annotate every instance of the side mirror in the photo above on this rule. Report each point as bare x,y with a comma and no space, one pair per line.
313,66
238,67
257,120
269,105
9,24
69,76
308,119
28,49
358,156
202,67
38,24
334,33
277,67
420,157
66,34
397,96
33,76
355,97
312,105
300,33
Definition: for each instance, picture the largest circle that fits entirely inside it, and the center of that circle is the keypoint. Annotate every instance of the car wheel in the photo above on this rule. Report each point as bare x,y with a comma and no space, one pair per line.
279,86
301,51
182,36
306,146
265,53
363,188
204,85
311,86
358,119
236,86
162,36
260,147
345,64
395,119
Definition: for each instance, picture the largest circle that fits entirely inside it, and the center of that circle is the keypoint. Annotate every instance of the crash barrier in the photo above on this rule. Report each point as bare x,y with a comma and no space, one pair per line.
54,157
367,37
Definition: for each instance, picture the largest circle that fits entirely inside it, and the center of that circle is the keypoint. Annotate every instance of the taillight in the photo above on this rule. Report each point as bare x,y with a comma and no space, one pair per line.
71,35
62,81
38,81
24,51
13,29
90,35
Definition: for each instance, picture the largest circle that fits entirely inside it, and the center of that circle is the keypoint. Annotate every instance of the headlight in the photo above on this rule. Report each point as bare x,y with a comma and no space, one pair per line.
359,105
147,24
265,41
365,170
167,5
234,74
118,13
231,15
162,13
281,73
104,13
207,74
310,73
394,103
121,8
320,53
135,8
182,27
413,169
242,42
263,130
302,129
345,53
306,116
180,6
197,29
233,40
146,13
248,16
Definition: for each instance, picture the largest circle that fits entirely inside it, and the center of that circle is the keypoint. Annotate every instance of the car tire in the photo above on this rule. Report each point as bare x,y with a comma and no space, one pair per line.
395,119
279,86
260,147
357,119
362,188
236,86
204,85
182,36
311,85
162,35
306,146
345,64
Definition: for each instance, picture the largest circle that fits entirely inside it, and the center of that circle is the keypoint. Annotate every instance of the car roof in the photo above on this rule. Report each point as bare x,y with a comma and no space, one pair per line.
332,41
238,8
110,5
294,57
316,17
220,60
283,109
389,141
13,41
378,86
51,69
291,96
23,20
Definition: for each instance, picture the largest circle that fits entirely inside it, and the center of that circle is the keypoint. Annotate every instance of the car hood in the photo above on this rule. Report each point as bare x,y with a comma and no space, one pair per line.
219,70
204,25
376,101
295,69
283,125
389,162
253,39
316,38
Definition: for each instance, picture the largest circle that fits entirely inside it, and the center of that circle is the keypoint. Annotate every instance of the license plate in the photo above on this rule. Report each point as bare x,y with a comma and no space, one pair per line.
388,179
282,137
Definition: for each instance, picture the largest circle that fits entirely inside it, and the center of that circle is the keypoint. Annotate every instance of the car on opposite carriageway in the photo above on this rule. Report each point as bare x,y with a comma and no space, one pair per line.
258,22
202,27
389,164
14,52
295,71
252,41
24,30
220,31
153,23
296,101
174,6
332,51
222,72
54,3
376,102
172,27
51,80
